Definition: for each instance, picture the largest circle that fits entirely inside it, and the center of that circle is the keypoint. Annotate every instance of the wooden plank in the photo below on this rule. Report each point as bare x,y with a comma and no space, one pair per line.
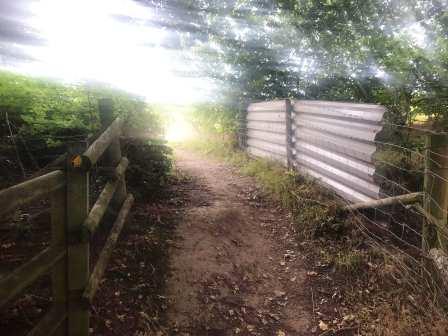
103,259
436,191
442,229
57,163
28,191
99,208
121,168
59,240
51,323
77,251
440,259
14,283
112,155
401,199
114,173
97,149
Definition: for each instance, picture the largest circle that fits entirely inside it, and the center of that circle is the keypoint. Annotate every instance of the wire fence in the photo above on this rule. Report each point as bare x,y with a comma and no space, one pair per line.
404,238
408,159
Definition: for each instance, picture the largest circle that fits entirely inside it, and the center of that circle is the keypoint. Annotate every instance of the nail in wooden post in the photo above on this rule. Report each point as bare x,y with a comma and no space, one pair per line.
78,249
436,191
112,156
58,240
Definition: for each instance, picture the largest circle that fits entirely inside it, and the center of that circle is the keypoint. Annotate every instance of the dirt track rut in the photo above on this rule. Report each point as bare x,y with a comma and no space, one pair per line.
234,269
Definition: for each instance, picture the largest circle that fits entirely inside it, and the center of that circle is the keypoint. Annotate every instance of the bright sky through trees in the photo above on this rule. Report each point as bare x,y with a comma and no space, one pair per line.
391,52
109,41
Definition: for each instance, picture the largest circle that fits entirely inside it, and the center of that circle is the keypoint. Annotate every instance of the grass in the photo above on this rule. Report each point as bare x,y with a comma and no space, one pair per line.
351,261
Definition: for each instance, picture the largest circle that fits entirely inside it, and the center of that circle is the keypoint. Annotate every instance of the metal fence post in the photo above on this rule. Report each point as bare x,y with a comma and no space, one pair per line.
78,249
436,192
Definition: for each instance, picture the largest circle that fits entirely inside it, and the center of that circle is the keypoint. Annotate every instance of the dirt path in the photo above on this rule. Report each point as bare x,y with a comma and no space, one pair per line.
234,269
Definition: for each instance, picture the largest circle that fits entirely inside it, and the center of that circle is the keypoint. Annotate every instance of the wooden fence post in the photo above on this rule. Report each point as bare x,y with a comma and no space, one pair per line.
112,156
436,192
59,240
288,121
78,249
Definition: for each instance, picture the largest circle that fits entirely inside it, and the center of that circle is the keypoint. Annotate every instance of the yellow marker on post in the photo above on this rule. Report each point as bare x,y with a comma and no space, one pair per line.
80,162
77,161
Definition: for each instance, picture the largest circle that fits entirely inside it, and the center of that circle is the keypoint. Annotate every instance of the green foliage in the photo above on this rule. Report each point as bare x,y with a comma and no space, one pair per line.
41,107
350,261
215,120
405,169
45,115
376,51
277,181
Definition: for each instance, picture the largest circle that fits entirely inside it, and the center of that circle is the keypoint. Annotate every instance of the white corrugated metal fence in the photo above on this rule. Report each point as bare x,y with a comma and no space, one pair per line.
331,141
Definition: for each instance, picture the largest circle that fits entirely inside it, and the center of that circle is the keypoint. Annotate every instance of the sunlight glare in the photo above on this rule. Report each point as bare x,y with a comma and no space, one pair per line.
110,41
179,130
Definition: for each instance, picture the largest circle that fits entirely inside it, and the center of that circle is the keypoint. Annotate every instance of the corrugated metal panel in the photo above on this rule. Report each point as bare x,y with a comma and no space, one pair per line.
334,142
331,141
266,130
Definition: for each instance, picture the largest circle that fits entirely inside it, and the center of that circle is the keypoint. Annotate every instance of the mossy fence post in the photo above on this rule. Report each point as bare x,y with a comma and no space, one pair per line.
112,156
436,193
78,248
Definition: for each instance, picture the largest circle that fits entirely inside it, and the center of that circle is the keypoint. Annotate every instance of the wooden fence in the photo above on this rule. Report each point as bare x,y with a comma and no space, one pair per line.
73,222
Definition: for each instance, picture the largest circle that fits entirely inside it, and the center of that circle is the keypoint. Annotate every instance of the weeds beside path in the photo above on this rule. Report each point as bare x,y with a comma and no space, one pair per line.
234,269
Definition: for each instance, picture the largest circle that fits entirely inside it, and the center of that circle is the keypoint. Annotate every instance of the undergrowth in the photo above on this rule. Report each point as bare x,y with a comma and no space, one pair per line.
374,283
149,168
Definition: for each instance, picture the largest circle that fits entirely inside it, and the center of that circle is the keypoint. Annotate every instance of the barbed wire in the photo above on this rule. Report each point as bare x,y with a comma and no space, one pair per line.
412,128
400,168
418,264
426,194
420,273
438,154
406,190
358,214
419,267
416,275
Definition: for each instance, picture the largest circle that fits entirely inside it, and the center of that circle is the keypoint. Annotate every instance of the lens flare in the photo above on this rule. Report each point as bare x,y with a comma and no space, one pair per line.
179,130
108,41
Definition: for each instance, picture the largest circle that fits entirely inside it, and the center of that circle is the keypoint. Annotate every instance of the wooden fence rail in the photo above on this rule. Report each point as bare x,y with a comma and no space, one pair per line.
73,223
